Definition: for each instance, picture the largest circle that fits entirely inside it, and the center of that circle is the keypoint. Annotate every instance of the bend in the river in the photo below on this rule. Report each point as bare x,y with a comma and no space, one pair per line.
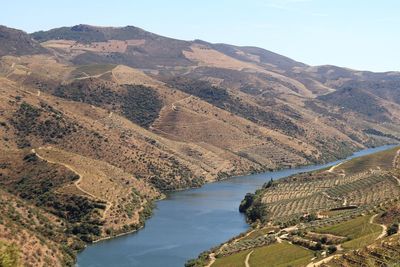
188,222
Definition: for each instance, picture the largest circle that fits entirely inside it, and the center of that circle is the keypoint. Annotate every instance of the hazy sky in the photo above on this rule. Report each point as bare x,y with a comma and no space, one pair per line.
360,34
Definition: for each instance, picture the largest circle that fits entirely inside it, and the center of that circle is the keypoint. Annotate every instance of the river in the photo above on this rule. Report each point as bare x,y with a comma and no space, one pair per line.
188,222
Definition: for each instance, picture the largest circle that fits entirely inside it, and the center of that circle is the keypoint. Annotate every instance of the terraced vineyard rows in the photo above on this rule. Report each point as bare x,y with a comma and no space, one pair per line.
246,244
324,190
287,208
383,253
333,217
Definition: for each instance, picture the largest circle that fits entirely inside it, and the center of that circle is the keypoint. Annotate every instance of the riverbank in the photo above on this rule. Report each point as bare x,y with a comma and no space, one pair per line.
183,217
303,208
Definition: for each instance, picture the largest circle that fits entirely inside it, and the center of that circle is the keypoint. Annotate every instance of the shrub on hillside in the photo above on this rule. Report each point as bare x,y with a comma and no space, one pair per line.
139,104
246,202
221,98
393,229
9,255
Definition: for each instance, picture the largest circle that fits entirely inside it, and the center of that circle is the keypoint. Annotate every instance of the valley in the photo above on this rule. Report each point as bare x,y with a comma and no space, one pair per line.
189,222
99,123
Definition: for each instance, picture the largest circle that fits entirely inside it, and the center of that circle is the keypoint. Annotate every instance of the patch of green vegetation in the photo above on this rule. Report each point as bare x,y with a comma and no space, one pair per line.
146,212
333,213
246,202
359,231
80,33
393,229
24,121
252,206
361,241
87,34
85,231
133,203
37,181
259,232
382,159
376,132
281,255
358,100
221,98
139,104
200,261
92,70
27,120
234,260
169,182
9,255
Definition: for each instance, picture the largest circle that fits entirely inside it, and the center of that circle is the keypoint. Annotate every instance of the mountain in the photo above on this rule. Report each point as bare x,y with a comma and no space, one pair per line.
98,122
129,46
17,43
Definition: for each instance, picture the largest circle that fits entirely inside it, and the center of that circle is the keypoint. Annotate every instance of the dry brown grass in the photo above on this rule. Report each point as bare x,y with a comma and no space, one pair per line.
44,66
210,57
206,56
127,75
111,46
103,182
34,249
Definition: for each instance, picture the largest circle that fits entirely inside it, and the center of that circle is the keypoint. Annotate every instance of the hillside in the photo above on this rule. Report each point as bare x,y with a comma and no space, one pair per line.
98,122
345,215
16,42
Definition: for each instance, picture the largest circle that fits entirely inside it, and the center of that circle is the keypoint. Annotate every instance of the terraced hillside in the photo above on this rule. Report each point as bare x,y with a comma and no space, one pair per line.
346,185
384,252
346,215
29,235
98,122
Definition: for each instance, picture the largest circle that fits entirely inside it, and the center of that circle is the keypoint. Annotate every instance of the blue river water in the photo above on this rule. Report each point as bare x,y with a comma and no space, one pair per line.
188,222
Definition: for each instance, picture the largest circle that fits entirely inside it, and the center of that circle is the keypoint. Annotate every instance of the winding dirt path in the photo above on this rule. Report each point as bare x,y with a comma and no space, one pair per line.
212,255
246,235
397,179
173,105
77,182
384,227
246,262
318,263
93,76
394,164
212,260
331,169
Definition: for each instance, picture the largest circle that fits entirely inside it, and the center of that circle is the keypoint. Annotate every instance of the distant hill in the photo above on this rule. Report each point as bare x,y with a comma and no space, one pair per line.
360,101
16,42
87,34
129,45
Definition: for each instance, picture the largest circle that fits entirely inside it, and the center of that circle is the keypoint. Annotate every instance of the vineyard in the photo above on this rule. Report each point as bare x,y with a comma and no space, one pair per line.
346,215
333,189
340,234
382,253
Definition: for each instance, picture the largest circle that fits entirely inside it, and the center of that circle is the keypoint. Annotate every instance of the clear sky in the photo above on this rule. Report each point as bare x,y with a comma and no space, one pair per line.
360,34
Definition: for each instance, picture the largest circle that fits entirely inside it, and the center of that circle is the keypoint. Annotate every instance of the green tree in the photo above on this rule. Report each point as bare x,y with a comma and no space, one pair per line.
393,229
9,255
